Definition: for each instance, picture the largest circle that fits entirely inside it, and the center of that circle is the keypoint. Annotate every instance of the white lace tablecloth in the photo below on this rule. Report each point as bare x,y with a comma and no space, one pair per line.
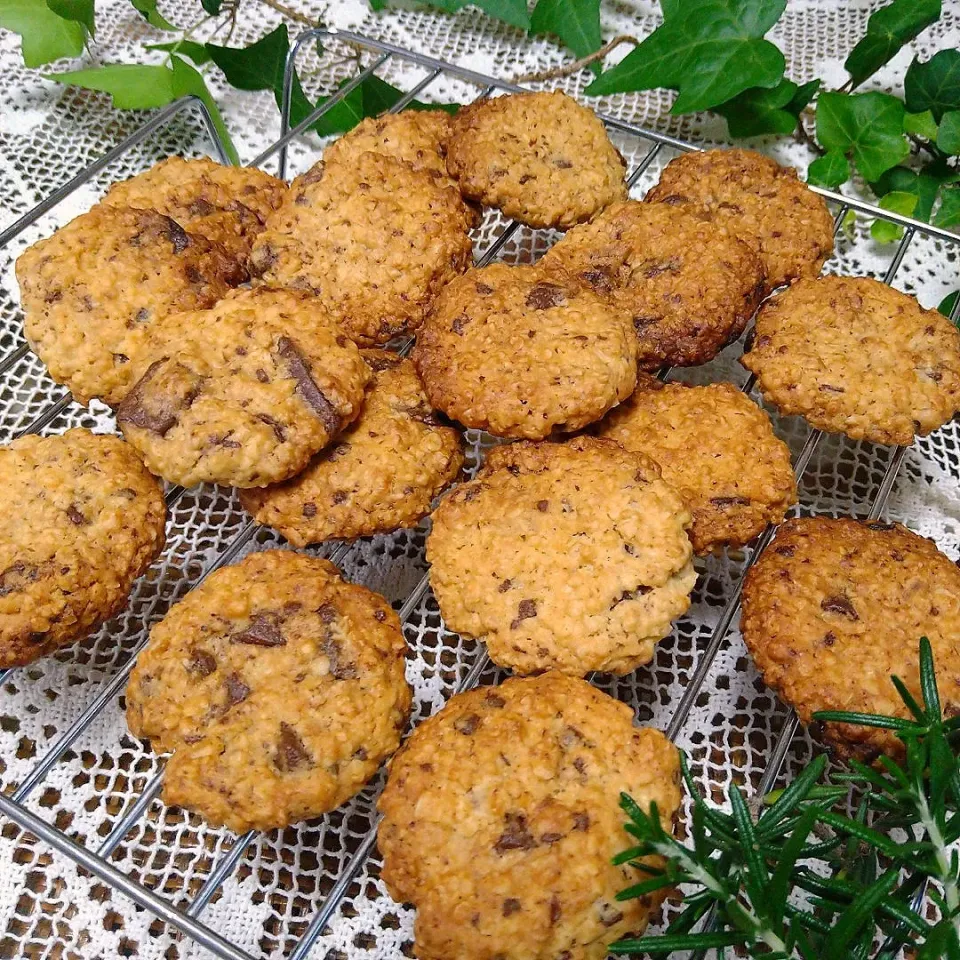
52,909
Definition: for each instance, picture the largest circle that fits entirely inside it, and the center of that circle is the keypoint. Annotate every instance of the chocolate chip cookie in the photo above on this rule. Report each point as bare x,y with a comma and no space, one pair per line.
539,157
244,393
91,290
689,284
851,355
81,519
500,821
279,687
521,352
835,607
569,556
717,449
765,204
227,204
375,239
382,474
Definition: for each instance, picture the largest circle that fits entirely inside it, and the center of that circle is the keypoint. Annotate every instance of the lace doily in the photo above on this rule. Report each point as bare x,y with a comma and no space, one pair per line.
51,908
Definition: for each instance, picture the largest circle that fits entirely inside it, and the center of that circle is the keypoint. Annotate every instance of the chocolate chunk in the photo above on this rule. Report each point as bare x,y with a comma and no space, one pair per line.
76,516
525,610
262,375
839,605
178,236
291,751
730,501
674,198
609,915
237,690
459,324
494,700
551,837
276,426
654,268
309,510
510,906
829,638
880,525
544,295
829,388
784,551
156,406
380,616
340,496
581,820
484,289
598,279
515,836
505,585
382,361
555,910
299,369
563,164
17,576
327,613
639,591
467,725
201,208
543,505
339,670
202,662
262,632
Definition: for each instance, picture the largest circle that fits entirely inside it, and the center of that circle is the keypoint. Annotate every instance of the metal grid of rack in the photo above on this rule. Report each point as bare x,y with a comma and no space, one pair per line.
647,148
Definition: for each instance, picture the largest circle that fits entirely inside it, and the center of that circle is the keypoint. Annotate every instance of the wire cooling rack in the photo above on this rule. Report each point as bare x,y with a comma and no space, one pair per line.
87,789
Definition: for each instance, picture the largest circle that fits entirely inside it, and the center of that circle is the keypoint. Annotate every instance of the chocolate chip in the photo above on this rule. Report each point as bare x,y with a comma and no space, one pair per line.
610,916
382,361
339,670
201,208
839,605
654,268
784,551
17,576
730,501
580,765
157,407
177,235
829,639
327,613
237,690
494,700
484,289
360,754
525,610
550,837
340,496
639,591
510,906
581,820
563,164
291,751
467,725
309,510
544,295
829,388
543,505
674,198
555,910
380,616
300,370
262,375
202,662
275,425
76,516
515,835
598,279
880,525
262,632
505,585
142,315
459,324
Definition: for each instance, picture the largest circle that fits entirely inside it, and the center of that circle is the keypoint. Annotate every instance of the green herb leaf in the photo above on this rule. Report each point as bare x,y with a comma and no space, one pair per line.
212,6
888,29
948,215
711,54
197,52
934,85
44,36
897,201
575,22
132,86
148,10
758,111
870,125
948,136
79,10
187,80
684,941
920,124
830,170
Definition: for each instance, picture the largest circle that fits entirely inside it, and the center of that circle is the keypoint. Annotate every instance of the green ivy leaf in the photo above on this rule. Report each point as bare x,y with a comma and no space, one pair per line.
44,36
575,22
132,86
829,171
187,80
80,11
513,12
197,52
212,6
888,29
920,125
946,304
711,53
934,85
897,202
870,125
948,136
148,10
948,215
758,111
924,186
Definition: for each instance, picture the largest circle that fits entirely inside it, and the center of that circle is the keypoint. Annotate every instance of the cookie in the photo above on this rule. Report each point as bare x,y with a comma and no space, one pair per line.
381,475
91,290
689,285
541,158
717,449
851,355
375,239
279,687
244,393
765,204
568,556
501,819
81,519
521,352
835,607
227,204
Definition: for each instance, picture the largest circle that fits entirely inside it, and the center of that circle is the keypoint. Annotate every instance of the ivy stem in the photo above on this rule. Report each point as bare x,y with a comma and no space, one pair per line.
291,13
577,65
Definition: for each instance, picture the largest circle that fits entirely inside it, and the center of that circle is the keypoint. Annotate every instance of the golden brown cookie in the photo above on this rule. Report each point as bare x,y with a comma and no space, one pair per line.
717,449
521,352
81,519
540,157
279,687
375,239
765,204
569,556
501,819
227,204
382,474
91,290
835,607
851,355
244,393
689,285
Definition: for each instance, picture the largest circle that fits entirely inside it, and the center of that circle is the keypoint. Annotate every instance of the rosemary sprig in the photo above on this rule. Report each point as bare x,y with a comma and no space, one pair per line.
804,879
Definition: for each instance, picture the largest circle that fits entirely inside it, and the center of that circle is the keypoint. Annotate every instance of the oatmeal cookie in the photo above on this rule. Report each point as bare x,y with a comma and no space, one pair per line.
244,393
382,474
279,687
374,239
765,204
540,157
91,290
227,204
689,285
569,556
717,449
500,821
851,355
835,607
81,520
521,352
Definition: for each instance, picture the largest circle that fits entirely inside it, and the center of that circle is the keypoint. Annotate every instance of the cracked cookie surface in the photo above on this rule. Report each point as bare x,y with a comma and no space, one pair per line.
244,393
852,355
833,608
570,556
717,449
90,292
688,284
81,520
541,158
516,783
521,352
279,687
